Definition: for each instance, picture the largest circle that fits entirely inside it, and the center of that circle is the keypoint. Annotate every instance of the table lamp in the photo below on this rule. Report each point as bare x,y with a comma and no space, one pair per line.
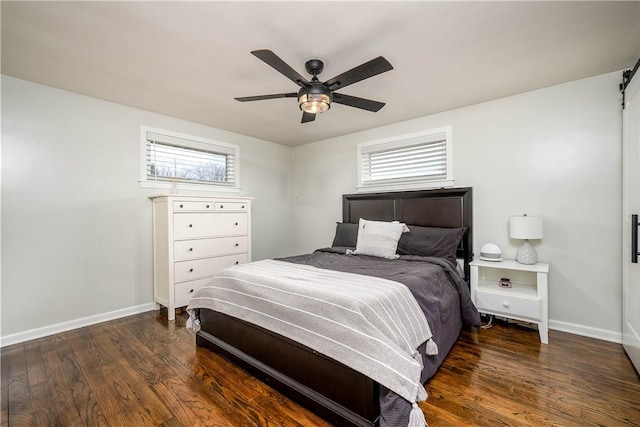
526,227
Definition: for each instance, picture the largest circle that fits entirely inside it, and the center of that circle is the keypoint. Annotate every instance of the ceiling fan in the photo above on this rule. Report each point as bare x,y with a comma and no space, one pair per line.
314,96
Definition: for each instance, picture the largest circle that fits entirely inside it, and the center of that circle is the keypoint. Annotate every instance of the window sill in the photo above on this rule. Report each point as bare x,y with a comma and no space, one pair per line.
190,187
372,188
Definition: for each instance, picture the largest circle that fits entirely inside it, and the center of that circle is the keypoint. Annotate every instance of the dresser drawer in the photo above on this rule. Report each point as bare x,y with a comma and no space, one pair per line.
231,206
194,206
199,225
200,268
205,248
516,306
184,291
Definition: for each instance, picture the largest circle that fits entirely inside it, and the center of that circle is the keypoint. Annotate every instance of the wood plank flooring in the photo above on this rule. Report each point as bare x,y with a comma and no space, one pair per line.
145,371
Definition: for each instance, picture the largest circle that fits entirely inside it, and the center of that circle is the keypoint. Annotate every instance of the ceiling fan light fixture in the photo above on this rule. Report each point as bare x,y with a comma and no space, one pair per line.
314,103
315,99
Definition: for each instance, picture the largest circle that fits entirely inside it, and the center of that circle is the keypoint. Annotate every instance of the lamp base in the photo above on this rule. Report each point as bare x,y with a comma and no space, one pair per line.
526,254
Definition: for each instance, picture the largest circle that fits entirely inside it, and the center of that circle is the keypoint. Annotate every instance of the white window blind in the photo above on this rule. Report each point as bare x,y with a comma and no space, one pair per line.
172,159
407,160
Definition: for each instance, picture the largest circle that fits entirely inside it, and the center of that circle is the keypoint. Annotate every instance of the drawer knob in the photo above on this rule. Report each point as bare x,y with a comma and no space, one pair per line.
237,262
191,270
207,206
236,223
190,225
182,206
190,249
242,206
506,304
236,244
191,291
221,206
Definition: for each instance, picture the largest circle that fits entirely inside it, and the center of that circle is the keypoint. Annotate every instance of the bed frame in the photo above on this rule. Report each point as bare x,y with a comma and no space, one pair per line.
335,392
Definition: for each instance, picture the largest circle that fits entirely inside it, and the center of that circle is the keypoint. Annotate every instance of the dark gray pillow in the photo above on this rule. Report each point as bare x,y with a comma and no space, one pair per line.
431,241
346,235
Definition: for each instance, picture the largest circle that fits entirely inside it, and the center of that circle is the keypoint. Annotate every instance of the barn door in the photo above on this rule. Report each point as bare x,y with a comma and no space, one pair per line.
631,211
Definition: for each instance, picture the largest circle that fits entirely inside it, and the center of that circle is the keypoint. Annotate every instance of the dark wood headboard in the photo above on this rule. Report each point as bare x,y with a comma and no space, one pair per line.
445,208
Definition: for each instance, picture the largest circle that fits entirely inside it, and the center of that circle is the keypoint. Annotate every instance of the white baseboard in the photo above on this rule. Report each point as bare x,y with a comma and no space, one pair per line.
587,331
73,324
572,328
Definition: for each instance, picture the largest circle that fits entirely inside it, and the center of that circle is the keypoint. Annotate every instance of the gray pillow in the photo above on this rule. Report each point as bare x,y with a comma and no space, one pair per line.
346,235
431,241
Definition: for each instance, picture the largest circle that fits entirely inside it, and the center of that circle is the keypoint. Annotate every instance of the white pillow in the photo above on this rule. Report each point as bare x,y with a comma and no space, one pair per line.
379,238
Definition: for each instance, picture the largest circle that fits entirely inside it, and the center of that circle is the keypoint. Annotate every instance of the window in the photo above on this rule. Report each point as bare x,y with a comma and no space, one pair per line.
173,160
420,160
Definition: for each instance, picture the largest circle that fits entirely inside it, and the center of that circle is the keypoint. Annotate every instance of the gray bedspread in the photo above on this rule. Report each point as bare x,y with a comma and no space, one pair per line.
440,292
370,324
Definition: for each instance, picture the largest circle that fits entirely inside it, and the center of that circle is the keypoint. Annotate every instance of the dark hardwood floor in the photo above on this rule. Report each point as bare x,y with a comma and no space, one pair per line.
145,371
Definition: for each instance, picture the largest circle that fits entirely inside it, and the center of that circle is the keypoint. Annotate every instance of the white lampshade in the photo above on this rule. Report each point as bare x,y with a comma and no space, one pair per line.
525,227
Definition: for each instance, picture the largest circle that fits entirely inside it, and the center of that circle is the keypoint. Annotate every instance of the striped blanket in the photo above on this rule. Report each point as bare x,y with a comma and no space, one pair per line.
370,324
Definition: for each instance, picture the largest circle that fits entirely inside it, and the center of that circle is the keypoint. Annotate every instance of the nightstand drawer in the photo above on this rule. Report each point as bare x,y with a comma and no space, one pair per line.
510,305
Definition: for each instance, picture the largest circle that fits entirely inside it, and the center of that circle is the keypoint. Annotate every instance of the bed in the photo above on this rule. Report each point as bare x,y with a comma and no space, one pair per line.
336,392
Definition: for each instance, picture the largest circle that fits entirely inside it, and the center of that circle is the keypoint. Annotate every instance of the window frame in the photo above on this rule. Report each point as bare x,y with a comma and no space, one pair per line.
401,141
189,142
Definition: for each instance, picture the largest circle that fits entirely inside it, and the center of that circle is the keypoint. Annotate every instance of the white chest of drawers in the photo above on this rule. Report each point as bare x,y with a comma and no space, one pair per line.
194,237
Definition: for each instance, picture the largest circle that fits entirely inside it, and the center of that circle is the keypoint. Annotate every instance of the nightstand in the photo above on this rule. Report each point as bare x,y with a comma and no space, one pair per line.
526,299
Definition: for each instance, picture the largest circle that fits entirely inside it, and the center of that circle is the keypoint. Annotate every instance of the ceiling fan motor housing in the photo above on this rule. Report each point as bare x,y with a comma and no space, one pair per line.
314,66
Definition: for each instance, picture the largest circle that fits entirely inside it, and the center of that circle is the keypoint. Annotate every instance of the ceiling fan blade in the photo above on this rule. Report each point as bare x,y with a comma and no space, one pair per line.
279,65
354,101
307,117
361,72
261,97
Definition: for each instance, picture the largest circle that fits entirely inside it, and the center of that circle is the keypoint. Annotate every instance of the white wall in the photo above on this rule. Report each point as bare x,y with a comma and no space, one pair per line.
554,152
76,226
76,243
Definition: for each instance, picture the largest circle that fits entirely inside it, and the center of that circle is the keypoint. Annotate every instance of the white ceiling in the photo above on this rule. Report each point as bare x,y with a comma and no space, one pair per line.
190,59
